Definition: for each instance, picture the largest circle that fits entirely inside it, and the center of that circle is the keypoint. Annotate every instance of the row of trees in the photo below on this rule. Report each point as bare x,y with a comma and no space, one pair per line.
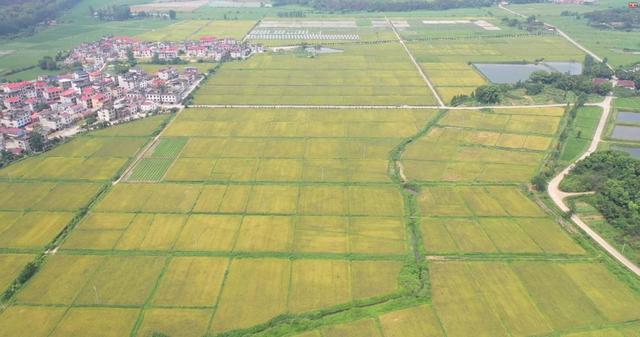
618,18
112,13
292,14
121,13
530,24
579,84
593,68
535,85
615,177
19,16
383,6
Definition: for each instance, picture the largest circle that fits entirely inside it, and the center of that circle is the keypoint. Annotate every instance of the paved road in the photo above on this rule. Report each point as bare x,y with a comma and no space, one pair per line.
302,106
558,196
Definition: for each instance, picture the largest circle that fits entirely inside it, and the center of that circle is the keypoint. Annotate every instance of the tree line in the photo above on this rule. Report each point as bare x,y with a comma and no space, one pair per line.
618,18
537,82
17,16
385,6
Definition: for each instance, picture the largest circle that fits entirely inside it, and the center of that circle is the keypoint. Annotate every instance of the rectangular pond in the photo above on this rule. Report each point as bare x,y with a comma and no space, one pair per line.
633,151
629,117
625,132
507,73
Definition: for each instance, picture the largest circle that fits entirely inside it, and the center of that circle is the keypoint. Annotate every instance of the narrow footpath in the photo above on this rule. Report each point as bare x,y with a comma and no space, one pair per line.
415,63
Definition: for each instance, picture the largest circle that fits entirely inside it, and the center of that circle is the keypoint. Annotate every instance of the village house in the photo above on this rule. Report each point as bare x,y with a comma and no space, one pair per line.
628,84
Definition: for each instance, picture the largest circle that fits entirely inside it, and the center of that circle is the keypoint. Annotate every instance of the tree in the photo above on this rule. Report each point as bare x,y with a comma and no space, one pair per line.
539,182
155,59
48,63
488,94
533,88
459,99
131,58
36,142
6,156
172,14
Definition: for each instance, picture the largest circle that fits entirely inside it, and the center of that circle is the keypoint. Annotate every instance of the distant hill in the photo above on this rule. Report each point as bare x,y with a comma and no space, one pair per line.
23,15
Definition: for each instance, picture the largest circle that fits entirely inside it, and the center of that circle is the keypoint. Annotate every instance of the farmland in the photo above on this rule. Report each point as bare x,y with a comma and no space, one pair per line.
448,62
195,29
372,74
294,200
616,45
37,206
370,213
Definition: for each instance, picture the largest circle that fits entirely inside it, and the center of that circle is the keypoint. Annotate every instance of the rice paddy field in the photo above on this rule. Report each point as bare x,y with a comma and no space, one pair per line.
37,207
448,61
617,46
362,74
314,222
195,29
234,217
273,33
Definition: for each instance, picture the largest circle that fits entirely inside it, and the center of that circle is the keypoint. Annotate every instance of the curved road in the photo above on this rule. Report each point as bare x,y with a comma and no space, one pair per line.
556,194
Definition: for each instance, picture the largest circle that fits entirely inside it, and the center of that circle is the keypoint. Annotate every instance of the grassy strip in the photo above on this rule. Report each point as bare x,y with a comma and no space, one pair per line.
551,164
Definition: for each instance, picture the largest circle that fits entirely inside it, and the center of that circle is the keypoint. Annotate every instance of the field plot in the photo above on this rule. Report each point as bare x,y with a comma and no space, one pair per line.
86,158
474,146
12,265
140,128
178,249
373,74
289,145
155,164
290,32
32,214
191,287
272,212
489,219
530,298
455,28
195,29
447,61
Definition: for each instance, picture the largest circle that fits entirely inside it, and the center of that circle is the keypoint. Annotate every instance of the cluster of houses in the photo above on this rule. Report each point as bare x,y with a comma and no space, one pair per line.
207,48
627,84
52,105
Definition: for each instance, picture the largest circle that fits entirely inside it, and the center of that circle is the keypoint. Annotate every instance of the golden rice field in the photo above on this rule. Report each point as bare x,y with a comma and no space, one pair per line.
294,222
367,74
447,62
261,213
195,29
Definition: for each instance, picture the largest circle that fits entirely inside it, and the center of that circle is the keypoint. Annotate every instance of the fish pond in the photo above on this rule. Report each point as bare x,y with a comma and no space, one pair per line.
509,73
625,132
633,151
628,117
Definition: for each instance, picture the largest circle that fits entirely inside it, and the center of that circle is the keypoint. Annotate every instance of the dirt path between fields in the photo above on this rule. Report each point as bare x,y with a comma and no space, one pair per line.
413,59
